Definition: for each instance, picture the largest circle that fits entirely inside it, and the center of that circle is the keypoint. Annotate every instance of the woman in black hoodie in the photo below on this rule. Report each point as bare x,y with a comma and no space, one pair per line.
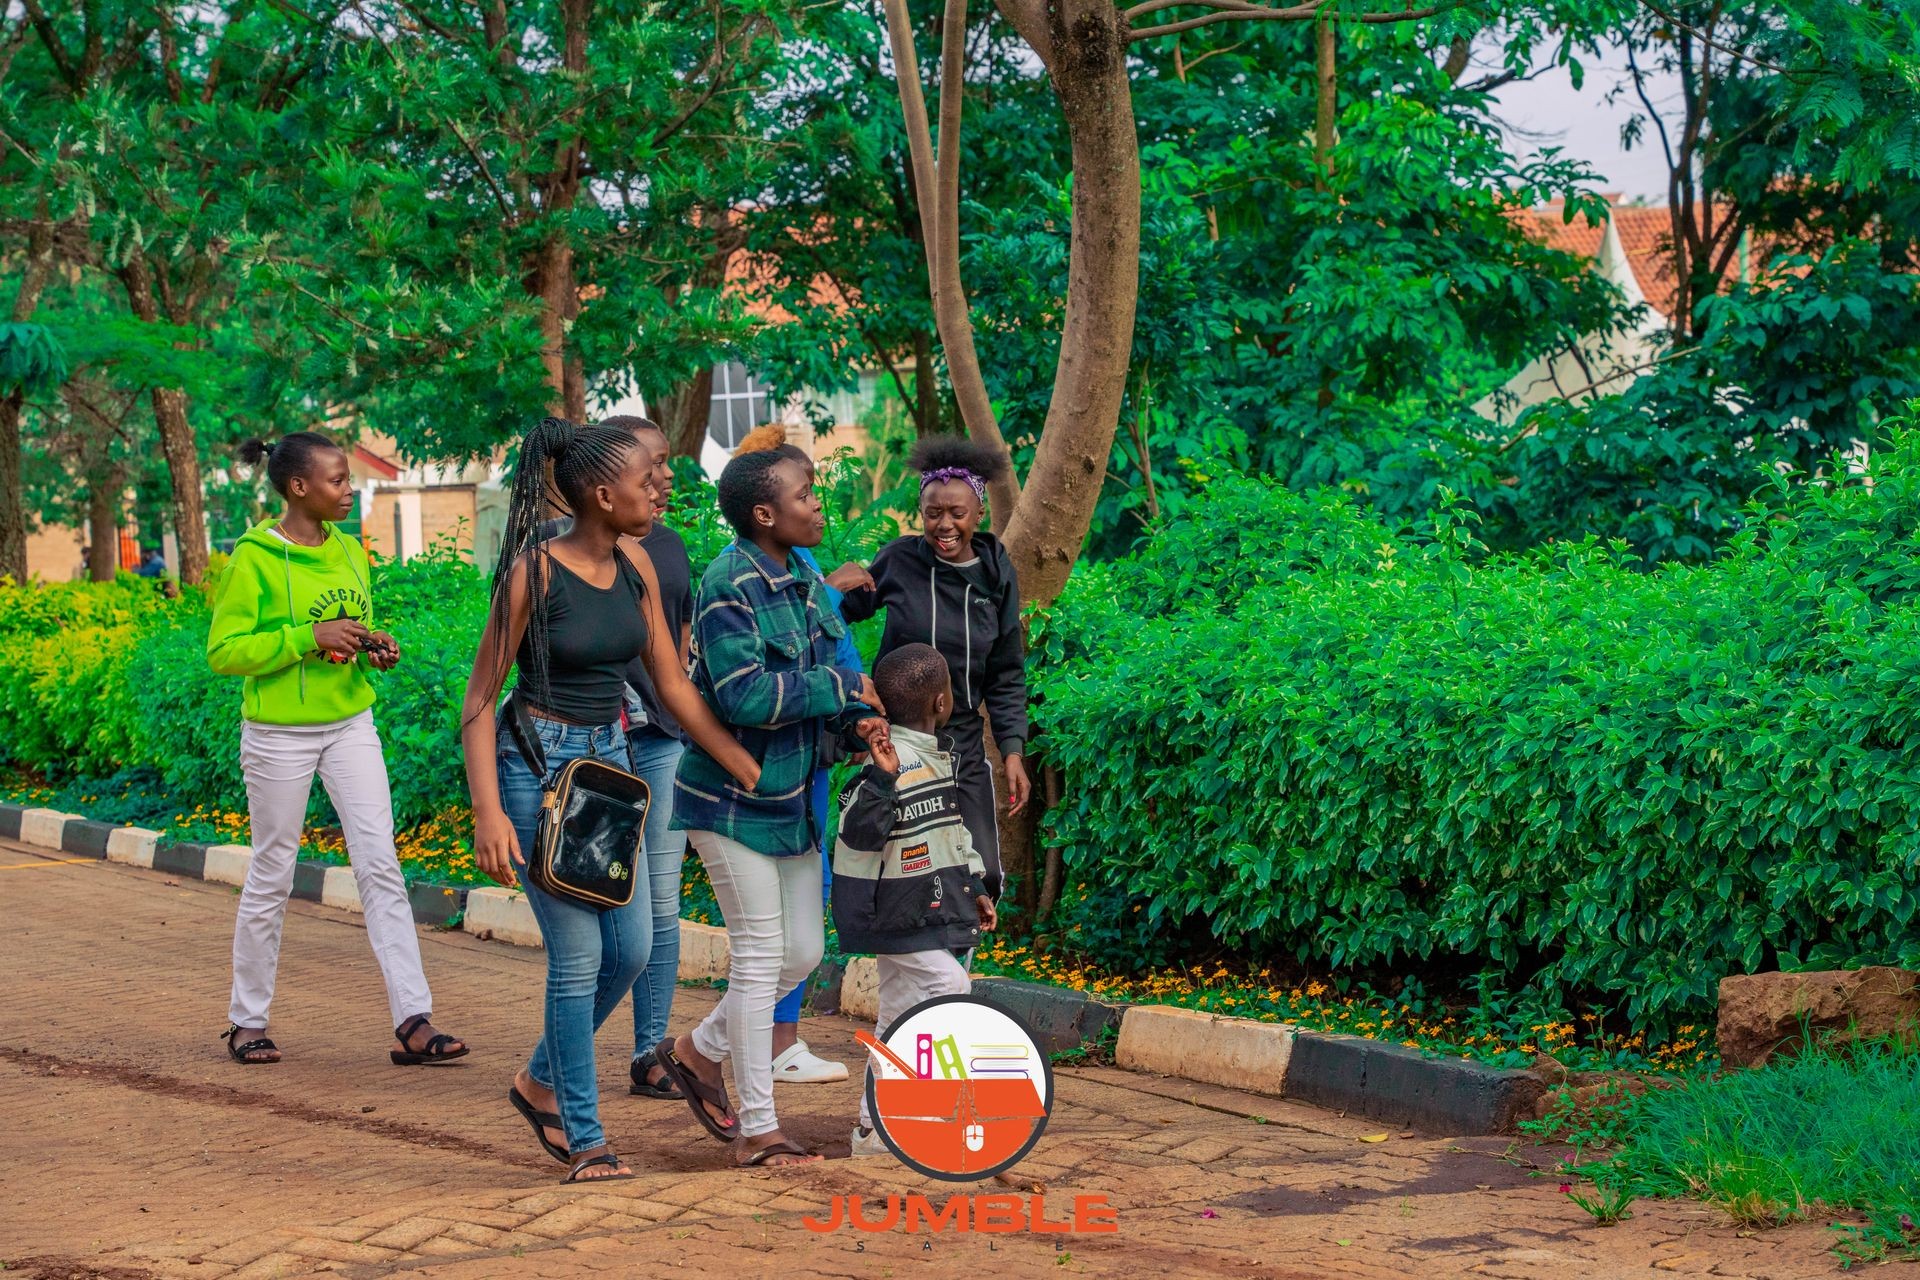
953,587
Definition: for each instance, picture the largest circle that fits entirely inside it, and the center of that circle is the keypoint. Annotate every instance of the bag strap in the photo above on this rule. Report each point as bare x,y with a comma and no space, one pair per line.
527,737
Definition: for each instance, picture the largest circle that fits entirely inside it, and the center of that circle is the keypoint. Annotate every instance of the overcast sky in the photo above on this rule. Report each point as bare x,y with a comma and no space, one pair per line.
1548,111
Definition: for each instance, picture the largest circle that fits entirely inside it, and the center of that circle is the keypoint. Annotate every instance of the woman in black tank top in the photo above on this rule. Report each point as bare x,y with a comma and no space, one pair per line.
571,613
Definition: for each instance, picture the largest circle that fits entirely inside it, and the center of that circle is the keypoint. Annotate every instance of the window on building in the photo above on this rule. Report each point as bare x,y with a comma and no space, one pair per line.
740,403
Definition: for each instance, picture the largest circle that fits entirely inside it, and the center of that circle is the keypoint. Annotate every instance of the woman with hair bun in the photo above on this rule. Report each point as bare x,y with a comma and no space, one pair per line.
952,586
572,612
292,616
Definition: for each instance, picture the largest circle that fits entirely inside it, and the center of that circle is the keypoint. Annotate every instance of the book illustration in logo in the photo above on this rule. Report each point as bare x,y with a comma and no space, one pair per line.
974,1100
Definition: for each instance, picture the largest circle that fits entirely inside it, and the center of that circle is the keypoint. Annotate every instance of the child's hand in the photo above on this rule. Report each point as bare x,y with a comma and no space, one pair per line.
881,748
988,916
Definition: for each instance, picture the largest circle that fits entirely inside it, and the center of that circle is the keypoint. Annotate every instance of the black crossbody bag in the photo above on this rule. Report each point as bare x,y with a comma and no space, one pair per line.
593,821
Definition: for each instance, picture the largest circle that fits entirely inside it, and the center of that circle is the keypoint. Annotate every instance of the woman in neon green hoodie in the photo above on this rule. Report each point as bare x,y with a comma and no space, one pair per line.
292,616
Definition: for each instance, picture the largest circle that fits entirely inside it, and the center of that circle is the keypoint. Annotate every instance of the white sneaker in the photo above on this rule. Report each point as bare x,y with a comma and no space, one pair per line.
798,1066
867,1142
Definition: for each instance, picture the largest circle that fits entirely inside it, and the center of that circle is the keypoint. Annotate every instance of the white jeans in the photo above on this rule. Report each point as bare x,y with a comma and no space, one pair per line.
775,936
279,760
906,980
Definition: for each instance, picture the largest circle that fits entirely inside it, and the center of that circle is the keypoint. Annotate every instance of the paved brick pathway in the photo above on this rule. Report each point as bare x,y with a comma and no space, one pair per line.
131,1149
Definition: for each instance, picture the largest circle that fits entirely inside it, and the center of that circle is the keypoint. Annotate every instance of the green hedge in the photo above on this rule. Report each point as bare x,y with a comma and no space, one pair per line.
1288,731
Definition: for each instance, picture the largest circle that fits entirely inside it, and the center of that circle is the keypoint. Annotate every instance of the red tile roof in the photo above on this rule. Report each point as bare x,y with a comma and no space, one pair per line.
1646,238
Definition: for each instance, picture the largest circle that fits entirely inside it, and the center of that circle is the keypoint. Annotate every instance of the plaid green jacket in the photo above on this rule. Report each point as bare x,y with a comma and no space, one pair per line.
764,638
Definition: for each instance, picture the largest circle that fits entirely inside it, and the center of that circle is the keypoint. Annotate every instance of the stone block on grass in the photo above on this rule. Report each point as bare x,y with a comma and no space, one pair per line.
502,914
1237,1053
87,838
704,955
1059,1019
132,846
435,904
10,821
227,863
42,827
1767,1014
181,858
860,989
309,880
1403,1086
339,890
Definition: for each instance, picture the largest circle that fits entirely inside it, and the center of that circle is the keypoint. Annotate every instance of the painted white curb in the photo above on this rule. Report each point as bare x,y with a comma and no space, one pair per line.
1239,1053
703,952
860,989
132,846
42,827
504,914
227,863
338,889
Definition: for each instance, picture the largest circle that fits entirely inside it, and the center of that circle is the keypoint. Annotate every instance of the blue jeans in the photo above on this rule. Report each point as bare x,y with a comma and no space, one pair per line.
655,755
788,1010
593,956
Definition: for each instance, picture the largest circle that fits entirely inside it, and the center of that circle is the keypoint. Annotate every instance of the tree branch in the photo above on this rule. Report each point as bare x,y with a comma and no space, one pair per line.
1236,11
51,39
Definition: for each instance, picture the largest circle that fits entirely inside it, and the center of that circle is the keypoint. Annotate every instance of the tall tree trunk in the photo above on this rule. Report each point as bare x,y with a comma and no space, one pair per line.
36,270
177,443
936,190
682,412
559,293
103,527
1325,103
1089,70
926,387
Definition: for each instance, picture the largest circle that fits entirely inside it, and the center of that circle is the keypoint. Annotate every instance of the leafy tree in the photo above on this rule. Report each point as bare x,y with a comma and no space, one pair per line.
506,208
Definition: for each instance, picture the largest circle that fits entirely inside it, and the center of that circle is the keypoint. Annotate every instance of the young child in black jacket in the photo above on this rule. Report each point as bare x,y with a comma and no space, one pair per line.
908,885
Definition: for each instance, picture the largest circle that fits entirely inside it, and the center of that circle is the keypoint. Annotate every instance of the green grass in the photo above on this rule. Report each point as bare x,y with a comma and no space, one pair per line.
1829,1134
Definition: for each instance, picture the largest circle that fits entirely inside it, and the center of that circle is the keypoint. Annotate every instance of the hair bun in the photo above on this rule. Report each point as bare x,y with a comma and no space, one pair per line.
558,435
255,452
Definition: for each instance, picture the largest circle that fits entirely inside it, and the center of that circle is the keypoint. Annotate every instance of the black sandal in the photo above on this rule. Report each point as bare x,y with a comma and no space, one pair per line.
607,1158
541,1122
663,1088
782,1148
436,1051
240,1052
697,1092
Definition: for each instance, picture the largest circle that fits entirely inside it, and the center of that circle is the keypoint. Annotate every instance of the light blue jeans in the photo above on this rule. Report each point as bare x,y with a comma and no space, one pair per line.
593,956
655,756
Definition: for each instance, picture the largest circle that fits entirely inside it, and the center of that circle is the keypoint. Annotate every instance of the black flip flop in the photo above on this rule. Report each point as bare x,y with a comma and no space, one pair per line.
435,1052
643,1088
239,1052
765,1154
695,1092
541,1122
609,1159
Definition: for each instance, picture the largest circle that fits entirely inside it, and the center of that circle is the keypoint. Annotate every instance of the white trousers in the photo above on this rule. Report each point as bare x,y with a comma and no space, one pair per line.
279,761
775,937
906,980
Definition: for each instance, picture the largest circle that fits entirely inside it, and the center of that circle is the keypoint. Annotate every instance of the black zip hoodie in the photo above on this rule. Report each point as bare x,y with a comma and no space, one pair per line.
977,630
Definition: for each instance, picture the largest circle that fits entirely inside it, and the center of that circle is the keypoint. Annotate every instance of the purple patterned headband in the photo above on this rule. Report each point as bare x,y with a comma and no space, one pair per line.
974,482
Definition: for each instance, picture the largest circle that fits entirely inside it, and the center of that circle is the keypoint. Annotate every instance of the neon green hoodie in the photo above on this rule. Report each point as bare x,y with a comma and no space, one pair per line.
271,596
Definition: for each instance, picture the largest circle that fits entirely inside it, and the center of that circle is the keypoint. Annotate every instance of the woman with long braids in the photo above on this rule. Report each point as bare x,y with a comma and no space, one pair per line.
571,613
952,586
764,658
292,615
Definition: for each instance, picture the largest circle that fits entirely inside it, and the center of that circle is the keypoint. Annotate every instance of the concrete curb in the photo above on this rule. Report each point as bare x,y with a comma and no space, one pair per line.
43,827
1238,1053
1387,1082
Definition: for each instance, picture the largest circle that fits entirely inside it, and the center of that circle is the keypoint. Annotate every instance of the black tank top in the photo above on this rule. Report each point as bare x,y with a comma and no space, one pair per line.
592,634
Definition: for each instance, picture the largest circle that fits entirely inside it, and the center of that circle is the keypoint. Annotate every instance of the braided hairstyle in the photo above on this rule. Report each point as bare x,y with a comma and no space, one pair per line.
558,460
289,456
